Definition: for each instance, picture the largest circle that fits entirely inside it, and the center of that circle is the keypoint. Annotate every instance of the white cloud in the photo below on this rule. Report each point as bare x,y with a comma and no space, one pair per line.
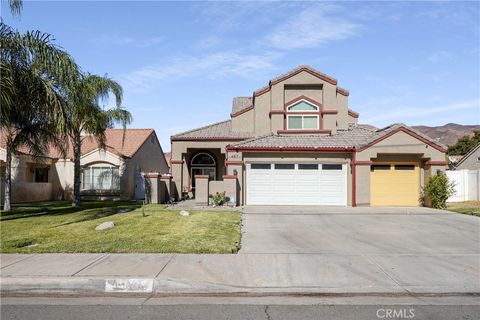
127,41
439,56
312,27
414,113
213,65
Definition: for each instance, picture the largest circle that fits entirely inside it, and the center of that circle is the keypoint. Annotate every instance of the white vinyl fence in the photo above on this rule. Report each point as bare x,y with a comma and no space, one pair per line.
466,185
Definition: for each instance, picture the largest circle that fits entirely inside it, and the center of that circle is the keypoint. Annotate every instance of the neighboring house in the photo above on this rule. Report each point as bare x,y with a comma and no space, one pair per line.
465,175
295,141
115,172
453,161
168,157
470,161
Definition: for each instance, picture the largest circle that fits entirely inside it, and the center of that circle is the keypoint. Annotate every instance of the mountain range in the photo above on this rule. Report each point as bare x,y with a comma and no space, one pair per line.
449,133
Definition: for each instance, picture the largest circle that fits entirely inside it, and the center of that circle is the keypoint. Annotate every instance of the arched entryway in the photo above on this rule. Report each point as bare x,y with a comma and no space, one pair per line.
202,164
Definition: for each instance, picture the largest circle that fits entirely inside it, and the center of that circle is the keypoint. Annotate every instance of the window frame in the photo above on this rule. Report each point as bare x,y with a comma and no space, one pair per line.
115,185
317,122
284,166
317,108
261,164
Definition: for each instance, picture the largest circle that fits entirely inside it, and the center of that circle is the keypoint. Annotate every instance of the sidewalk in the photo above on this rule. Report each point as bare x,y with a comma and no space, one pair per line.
246,274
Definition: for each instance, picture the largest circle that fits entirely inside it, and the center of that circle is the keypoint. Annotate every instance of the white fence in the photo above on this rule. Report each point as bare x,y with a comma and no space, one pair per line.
466,185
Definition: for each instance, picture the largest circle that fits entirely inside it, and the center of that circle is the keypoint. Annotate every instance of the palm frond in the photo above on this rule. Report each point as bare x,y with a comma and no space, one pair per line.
16,7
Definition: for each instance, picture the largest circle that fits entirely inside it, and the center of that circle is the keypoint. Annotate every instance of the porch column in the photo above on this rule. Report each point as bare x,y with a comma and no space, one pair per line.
231,189
201,190
153,190
167,182
177,178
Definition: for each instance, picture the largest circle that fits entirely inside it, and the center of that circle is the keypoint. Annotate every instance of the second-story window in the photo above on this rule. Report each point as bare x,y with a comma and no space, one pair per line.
302,122
303,115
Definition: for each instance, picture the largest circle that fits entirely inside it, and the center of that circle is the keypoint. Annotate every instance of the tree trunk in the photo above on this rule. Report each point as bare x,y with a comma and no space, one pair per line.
77,145
7,205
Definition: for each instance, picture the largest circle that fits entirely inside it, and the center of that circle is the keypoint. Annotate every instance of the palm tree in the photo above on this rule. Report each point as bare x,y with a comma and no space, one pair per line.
86,116
33,70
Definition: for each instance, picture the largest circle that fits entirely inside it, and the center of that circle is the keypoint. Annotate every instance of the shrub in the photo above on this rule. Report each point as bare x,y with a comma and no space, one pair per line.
218,198
439,189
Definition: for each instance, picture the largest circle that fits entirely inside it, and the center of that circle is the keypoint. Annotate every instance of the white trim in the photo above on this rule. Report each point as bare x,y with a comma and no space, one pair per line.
301,111
303,115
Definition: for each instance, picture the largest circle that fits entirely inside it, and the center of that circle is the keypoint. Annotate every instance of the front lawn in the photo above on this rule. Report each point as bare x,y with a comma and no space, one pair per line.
56,227
468,207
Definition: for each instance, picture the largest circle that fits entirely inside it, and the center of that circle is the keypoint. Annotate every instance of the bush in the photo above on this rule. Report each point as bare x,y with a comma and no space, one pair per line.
218,198
439,189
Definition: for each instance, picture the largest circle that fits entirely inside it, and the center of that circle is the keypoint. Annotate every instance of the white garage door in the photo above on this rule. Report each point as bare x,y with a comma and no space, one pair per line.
296,184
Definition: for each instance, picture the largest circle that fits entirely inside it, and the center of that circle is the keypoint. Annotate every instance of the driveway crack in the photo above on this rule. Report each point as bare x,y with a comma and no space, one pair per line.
266,312
372,260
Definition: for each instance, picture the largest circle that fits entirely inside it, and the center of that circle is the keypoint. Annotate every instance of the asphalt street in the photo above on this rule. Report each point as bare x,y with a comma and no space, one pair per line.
269,308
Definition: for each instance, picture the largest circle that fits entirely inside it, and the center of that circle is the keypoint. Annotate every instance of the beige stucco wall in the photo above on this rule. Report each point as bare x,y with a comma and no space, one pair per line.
148,158
342,118
399,147
280,93
472,162
244,122
261,117
24,189
184,151
351,120
202,193
401,143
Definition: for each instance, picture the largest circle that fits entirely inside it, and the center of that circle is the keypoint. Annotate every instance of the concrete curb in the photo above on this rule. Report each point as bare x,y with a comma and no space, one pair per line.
162,287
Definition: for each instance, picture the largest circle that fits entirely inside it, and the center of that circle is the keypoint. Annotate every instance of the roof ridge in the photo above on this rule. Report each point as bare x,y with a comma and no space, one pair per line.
299,68
200,128
397,125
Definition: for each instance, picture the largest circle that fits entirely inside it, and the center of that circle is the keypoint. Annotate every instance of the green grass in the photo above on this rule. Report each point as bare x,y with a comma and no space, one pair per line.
468,207
57,227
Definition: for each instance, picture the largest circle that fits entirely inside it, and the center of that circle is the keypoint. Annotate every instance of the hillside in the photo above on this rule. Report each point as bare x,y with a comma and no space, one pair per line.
449,133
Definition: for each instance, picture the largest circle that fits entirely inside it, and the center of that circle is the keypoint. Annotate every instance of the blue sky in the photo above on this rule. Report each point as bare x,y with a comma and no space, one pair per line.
180,63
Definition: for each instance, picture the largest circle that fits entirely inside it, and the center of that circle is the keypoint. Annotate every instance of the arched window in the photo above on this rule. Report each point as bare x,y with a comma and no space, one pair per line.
202,164
303,115
203,159
303,106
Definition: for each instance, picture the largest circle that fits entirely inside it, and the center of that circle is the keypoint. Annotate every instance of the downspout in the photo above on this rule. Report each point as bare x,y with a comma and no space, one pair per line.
354,178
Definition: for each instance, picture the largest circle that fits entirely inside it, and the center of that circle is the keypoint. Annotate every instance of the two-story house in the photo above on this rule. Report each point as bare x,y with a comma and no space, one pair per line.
295,141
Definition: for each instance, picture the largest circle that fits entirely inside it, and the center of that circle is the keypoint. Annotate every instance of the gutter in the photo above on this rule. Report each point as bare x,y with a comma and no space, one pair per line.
334,149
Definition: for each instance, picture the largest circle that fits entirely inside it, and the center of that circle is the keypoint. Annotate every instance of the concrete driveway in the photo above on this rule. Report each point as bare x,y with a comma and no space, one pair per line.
375,231
417,249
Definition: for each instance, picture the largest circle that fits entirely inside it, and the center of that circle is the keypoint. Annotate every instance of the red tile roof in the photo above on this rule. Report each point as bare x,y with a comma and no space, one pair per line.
134,139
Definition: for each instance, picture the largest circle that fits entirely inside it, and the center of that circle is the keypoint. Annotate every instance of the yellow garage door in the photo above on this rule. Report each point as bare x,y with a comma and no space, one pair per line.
394,184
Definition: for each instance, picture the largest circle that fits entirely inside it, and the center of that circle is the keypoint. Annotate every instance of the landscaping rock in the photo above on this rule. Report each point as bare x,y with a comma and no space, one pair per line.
125,210
105,225
184,213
